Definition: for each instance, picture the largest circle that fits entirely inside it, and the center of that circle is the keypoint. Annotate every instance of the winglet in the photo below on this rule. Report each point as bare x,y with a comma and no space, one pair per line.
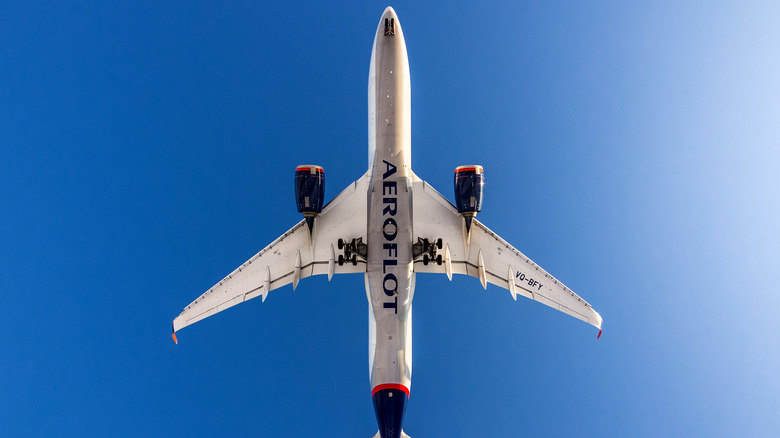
173,334
599,335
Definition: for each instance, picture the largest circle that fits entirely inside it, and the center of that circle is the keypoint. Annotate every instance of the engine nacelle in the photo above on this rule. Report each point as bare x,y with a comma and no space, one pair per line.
309,190
468,190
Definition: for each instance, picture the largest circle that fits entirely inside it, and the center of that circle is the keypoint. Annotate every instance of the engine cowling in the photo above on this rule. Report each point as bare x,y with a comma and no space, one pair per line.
309,189
469,181
468,188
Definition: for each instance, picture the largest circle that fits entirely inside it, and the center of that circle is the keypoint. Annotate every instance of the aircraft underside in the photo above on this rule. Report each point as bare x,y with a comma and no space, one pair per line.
389,225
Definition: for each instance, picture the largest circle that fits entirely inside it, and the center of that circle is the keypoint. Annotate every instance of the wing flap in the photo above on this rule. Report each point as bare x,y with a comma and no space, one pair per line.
251,279
504,266
295,254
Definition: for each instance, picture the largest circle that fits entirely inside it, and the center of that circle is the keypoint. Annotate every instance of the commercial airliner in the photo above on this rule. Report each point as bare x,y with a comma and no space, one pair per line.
389,225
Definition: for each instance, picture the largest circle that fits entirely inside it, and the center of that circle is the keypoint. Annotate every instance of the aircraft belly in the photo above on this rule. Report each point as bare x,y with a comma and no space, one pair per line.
389,273
389,262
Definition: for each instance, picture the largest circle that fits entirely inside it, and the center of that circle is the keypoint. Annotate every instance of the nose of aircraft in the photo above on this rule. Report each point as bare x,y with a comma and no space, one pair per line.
388,22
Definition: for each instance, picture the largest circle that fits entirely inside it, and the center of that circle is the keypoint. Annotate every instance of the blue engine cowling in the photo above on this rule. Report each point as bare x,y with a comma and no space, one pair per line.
309,189
468,189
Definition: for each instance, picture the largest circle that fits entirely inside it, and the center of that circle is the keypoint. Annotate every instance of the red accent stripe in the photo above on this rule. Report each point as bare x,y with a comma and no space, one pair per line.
599,335
469,169
308,169
390,386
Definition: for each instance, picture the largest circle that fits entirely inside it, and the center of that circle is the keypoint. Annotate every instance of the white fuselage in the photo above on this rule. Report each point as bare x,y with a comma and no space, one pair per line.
389,275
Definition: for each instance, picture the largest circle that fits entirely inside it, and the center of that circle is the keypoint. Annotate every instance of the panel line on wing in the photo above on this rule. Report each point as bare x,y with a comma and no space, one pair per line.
521,286
528,293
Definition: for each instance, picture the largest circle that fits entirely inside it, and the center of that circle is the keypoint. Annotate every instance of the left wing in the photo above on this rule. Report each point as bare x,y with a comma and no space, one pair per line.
484,255
295,255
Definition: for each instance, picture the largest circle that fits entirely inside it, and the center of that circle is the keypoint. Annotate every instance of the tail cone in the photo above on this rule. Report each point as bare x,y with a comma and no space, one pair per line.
390,406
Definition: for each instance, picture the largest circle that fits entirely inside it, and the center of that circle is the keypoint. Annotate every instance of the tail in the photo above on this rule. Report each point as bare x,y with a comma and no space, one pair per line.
403,435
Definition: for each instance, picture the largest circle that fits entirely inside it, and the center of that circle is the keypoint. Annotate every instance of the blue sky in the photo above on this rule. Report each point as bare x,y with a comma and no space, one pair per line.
147,149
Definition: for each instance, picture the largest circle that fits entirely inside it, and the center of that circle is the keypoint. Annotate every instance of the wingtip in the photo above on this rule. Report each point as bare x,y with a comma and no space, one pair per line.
599,335
173,334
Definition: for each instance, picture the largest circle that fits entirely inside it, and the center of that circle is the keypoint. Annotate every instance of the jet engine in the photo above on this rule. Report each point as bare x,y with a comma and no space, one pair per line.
309,191
468,191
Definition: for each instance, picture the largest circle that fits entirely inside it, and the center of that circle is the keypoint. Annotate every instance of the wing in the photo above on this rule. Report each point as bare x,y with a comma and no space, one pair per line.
295,255
484,255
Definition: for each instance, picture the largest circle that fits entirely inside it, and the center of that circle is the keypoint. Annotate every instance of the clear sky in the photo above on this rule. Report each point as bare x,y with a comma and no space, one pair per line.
148,148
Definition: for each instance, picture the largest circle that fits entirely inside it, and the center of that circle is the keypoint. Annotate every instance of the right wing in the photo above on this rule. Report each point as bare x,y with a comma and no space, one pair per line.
295,255
484,255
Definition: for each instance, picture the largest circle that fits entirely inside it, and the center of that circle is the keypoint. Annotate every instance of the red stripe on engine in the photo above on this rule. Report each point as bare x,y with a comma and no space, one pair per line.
469,169
390,386
308,169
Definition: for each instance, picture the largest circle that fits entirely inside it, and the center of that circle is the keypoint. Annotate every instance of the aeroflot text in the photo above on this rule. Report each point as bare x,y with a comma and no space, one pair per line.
390,231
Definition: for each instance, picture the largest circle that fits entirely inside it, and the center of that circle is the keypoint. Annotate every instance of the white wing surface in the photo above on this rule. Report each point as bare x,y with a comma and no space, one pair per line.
295,255
487,256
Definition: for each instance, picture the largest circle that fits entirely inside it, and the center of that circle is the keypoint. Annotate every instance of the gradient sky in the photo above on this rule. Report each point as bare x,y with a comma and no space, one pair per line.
148,148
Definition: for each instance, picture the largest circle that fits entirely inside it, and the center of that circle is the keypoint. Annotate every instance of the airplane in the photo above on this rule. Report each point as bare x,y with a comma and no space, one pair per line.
388,225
